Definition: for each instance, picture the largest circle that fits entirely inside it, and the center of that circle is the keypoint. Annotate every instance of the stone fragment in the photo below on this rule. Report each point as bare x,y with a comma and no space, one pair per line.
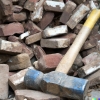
17,8
13,28
78,28
16,81
46,20
56,6
6,6
69,7
33,28
13,38
10,47
36,16
49,62
55,43
33,38
58,30
79,13
34,95
38,51
18,62
17,17
4,74
89,68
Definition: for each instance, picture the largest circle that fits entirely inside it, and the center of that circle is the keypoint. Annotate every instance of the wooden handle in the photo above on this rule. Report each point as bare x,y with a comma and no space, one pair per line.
69,58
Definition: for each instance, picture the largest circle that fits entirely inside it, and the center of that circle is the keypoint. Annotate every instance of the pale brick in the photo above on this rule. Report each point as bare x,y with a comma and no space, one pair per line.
55,43
33,38
79,13
56,6
10,47
58,30
18,62
34,95
4,74
69,7
16,81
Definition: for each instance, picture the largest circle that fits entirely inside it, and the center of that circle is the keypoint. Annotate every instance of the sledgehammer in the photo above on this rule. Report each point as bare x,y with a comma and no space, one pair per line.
57,82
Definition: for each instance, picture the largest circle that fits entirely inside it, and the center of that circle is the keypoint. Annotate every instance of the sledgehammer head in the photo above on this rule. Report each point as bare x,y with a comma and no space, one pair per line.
63,85
57,83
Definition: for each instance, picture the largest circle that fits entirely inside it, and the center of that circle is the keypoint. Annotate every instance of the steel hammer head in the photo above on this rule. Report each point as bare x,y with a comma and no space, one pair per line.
57,83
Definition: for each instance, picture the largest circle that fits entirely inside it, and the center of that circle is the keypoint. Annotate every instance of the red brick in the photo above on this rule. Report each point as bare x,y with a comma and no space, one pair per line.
49,62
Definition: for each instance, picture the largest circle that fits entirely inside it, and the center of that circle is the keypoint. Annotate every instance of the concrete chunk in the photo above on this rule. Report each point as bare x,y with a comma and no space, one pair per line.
78,15
56,6
55,43
10,47
4,74
19,62
34,95
58,30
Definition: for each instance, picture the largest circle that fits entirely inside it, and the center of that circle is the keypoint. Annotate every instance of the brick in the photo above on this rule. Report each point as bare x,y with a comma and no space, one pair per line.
30,5
15,17
89,68
18,62
91,57
36,16
17,8
55,43
58,30
34,95
13,28
6,6
16,81
4,74
94,78
4,58
46,20
10,47
38,51
80,12
49,62
13,38
56,6
27,49
33,28
70,36
89,44
33,38
69,8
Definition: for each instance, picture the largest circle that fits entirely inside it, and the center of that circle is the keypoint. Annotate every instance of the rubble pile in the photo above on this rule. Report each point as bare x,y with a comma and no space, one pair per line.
34,37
